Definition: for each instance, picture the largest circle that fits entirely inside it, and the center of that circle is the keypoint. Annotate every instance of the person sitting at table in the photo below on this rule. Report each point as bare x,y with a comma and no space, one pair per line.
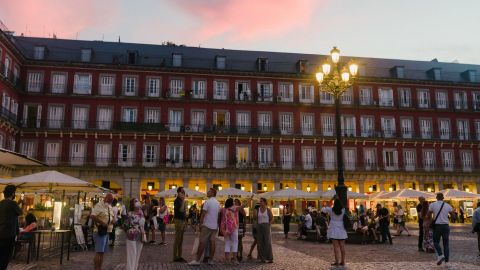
30,225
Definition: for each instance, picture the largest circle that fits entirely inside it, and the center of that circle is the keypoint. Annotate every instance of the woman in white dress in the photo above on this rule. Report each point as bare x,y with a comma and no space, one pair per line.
336,230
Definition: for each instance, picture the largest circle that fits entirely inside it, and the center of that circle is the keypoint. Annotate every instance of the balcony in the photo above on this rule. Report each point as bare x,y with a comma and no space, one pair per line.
9,116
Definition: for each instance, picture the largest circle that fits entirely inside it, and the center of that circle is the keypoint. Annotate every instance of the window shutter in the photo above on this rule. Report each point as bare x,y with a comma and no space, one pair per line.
312,95
215,118
227,118
290,91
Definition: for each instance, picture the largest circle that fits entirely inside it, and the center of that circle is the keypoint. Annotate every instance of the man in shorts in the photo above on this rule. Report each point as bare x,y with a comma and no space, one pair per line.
208,226
102,215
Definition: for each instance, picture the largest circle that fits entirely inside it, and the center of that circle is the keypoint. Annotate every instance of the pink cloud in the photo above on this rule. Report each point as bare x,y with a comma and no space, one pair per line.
64,18
238,20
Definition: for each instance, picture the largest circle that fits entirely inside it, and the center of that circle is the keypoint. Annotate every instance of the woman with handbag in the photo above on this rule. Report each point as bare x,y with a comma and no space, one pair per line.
162,218
336,231
134,227
427,231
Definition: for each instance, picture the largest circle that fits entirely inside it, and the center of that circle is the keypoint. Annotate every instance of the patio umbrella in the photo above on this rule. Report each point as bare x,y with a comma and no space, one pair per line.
350,194
288,194
233,193
375,195
405,194
455,194
189,193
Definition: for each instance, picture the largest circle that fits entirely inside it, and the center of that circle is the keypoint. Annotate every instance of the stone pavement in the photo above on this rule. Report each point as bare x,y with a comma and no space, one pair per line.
291,254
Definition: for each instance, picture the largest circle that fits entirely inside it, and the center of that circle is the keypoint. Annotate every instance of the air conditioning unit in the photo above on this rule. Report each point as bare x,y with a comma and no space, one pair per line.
279,98
188,128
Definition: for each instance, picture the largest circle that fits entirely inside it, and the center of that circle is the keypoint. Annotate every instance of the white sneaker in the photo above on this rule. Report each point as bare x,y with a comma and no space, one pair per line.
440,259
194,262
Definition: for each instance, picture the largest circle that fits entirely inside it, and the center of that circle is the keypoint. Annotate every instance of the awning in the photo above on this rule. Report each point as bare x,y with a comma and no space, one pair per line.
10,158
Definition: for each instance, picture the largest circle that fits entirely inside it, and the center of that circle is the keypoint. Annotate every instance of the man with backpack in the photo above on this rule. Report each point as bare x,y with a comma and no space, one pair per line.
208,226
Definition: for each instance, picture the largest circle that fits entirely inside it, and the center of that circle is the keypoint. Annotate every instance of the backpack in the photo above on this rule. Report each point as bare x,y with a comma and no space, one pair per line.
229,222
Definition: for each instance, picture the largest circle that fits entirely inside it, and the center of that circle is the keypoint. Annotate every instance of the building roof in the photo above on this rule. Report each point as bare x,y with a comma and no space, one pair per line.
236,60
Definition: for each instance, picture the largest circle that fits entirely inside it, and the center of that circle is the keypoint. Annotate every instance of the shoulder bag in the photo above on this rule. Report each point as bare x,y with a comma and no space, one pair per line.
432,225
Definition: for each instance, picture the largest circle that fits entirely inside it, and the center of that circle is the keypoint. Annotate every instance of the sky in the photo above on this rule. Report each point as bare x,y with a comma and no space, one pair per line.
398,29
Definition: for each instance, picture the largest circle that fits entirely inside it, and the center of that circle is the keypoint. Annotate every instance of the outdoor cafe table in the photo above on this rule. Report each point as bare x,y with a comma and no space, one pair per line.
53,241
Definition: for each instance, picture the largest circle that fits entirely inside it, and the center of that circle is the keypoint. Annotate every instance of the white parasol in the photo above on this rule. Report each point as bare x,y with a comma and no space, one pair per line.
233,193
189,193
405,194
350,194
455,194
288,194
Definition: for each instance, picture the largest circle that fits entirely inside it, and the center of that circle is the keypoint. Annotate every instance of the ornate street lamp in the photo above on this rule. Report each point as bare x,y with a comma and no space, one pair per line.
335,79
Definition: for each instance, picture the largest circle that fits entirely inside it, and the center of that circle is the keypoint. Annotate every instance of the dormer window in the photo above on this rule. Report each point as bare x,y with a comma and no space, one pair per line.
132,57
86,55
262,64
470,76
39,52
302,66
220,62
435,74
398,72
176,60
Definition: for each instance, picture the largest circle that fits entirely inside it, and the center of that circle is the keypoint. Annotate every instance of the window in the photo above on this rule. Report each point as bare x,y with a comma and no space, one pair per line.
82,84
262,64
126,154
152,116
198,156
103,152
463,130
132,57
176,60
328,125
52,153
308,158
305,93
448,160
86,55
366,97
477,128
476,100
388,126
460,99
32,115
264,122
265,157
444,129
347,97
398,72
307,124
302,66
441,99
407,128
265,92
28,149
39,53
77,154
221,121
6,67
329,161
326,98
286,157
220,62
367,126
390,160
286,123
197,121
243,122
199,89
176,88
104,118
130,86
220,156
429,160
59,82
423,97
153,87
285,92
220,90
350,159
467,160
150,155
175,120
243,156
129,115
405,97
55,116
385,96
409,160
35,82
242,91
80,117
369,158
426,128
107,85
348,126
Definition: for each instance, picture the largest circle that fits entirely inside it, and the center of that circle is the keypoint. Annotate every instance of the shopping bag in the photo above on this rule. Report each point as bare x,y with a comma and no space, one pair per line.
195,246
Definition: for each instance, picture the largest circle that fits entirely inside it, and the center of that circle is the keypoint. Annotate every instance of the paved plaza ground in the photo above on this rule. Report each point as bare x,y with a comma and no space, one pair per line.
290,254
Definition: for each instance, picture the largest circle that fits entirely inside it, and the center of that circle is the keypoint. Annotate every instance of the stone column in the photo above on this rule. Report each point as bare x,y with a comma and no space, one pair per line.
276,184
161,184
459,185
320,185
361,186
298,203
185,182
421,185
232,182
401,184
209,183
132,187
380,185
440,186
254,185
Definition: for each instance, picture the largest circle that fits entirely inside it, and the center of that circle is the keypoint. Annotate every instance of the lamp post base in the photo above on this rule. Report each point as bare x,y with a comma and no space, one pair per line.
341,191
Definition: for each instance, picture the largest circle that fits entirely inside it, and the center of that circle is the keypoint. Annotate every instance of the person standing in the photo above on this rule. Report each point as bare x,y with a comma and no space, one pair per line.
134,227
115,220
229,229
336,231
462,215
148,214
400,215
264,234
286,217
9,229
440,211
254,230
208,226
102,216
420,223
241,229
162,218
476,224
427,231
179,214
384,223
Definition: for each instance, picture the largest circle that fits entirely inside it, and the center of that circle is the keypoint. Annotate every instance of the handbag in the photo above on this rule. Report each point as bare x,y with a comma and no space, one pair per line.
103,230
432,225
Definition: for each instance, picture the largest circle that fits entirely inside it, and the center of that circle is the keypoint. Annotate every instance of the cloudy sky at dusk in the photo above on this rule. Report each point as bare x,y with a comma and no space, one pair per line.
407,29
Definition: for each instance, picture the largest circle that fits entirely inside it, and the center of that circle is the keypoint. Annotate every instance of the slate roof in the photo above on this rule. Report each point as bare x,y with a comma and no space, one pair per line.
237,60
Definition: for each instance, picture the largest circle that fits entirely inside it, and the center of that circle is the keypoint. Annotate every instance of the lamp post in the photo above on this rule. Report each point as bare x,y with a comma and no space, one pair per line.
336,78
